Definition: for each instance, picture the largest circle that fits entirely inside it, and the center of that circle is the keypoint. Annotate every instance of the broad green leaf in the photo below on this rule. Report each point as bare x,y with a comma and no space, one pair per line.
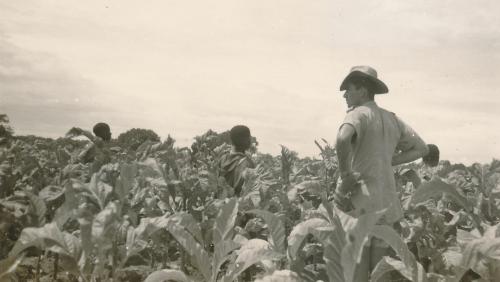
189,223
389,235
276,229
126,182
292,193
221,254
256,179
167,275
81,189
134,243
333,240
224,222
100,190
150,225
452,257
51,193
72,246
8,266
268,265
436,188
252,252
492,232
39,208
314,187
479,254
66,211
327,208
103,223
299,233
387,264
464,237
281,276
193,248
151,168
49,238
86,238
240,239
357,231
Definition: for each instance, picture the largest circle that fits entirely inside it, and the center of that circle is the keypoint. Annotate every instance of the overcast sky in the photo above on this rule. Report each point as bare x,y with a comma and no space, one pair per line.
182,67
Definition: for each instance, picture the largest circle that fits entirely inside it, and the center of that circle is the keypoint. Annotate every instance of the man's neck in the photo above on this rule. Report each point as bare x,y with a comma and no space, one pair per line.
362,103
367,101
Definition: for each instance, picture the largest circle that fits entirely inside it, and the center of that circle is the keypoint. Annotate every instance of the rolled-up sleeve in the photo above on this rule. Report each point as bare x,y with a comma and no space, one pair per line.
355,118
409,138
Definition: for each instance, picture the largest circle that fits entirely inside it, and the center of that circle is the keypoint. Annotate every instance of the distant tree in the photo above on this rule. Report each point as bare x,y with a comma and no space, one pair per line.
211,140
134,137
6,131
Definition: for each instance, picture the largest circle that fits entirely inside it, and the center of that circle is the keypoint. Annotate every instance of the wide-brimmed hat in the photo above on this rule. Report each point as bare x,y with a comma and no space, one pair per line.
369,73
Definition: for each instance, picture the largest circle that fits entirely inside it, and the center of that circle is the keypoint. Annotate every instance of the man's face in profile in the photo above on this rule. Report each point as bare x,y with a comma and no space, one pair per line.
353,95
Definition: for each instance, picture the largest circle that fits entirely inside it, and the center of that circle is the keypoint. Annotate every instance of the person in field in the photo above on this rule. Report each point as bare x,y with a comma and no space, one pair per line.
369,142
233,164
93,150
102,131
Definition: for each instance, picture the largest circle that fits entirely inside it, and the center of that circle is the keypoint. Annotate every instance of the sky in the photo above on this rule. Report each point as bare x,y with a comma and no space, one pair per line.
183,67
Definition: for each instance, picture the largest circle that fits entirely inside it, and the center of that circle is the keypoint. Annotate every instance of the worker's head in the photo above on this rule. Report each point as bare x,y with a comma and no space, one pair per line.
432,158
361,85
359,90
241,138
102,130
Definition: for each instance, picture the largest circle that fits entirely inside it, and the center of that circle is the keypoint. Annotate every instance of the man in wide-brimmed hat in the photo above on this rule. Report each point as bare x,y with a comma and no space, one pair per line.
369,142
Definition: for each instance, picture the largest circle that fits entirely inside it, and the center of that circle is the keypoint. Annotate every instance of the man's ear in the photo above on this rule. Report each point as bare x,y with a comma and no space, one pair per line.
365,92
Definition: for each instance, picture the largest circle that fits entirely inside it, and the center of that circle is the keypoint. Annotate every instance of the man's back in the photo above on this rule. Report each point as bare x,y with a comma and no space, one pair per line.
232,166
377,134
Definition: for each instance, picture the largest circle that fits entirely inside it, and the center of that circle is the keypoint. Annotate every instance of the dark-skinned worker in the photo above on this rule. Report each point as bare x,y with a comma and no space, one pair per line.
96,152
233,164
367,148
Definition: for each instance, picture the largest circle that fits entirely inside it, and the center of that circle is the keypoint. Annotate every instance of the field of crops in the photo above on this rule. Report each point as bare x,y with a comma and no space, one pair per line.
156,212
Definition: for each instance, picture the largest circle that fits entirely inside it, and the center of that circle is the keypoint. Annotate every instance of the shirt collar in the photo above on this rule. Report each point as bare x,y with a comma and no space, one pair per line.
366,104
370,103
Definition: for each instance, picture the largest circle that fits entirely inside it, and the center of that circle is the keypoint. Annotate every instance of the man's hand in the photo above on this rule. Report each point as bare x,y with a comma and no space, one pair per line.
346,188
432,157
349,183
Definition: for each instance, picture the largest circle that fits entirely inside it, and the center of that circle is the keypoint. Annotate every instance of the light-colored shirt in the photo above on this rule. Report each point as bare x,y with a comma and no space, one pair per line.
409,138
378,133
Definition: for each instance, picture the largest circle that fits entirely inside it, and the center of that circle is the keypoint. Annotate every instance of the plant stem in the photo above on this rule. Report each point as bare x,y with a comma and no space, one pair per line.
183,260
114,253
37,273
153,261
56,266
165,258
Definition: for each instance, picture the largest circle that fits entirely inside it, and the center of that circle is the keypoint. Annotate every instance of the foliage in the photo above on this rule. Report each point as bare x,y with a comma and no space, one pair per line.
161,212
6,130
134,137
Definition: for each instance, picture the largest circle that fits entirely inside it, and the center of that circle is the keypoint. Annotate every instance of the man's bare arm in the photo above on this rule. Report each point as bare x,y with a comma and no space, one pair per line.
344,147
417,151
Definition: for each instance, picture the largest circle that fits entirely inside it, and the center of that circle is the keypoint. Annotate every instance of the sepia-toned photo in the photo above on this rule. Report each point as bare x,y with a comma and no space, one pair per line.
233,140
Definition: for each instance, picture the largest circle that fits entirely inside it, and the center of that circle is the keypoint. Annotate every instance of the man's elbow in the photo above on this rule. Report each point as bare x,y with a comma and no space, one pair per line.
341,142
